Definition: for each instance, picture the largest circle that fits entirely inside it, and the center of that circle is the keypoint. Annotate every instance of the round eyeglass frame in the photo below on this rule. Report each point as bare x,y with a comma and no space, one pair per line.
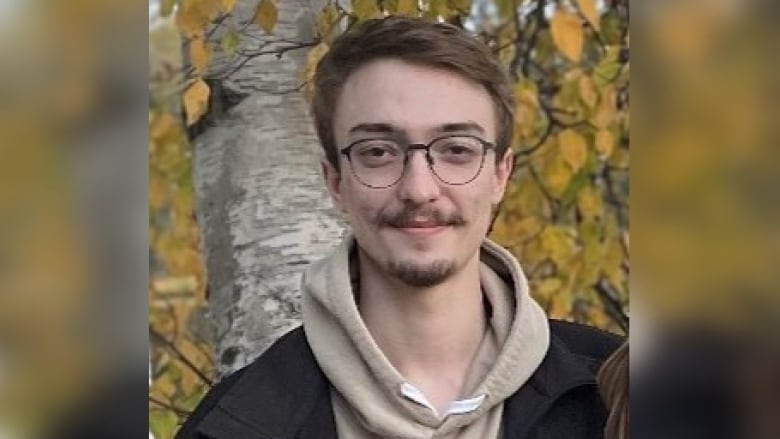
486,146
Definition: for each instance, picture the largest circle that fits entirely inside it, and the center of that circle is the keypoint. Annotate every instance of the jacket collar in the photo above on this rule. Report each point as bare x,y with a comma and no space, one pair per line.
560,372
284,395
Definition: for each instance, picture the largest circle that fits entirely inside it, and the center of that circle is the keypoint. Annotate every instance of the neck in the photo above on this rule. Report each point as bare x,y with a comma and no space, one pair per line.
430,333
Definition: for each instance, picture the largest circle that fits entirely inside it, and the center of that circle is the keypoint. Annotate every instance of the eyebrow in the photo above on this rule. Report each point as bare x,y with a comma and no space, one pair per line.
461,126
382,128
386,128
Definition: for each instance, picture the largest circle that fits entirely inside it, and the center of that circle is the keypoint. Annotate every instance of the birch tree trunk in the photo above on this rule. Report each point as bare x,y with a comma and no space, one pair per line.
262,204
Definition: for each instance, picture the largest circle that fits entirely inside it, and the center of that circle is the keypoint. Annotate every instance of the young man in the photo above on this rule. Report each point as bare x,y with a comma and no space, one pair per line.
416,326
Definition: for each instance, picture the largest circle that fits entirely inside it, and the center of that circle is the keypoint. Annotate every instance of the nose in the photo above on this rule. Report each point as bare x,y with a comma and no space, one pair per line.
418,185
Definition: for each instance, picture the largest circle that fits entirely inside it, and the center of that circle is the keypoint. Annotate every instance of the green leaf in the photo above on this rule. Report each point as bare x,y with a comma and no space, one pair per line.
608,68
610,27
575,185
326,21
191,401
230,41
162,423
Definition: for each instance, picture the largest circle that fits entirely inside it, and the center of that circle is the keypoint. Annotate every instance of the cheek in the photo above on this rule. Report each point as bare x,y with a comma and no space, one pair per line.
481,200
361,205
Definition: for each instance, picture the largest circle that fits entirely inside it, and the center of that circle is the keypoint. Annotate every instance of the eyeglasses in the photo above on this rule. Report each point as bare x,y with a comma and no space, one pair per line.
380,163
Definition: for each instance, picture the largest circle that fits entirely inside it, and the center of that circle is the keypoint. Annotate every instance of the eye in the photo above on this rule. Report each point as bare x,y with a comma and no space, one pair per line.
457,149
374,153
376,148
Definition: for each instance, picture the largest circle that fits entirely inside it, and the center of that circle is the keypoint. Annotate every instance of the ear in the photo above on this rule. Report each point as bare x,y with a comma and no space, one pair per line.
332,178
504,169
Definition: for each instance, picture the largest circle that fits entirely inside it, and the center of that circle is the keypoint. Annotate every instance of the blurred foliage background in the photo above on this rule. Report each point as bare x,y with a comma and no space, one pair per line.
565,214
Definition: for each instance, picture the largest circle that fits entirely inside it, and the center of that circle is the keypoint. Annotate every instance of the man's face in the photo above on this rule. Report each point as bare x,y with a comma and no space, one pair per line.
420,230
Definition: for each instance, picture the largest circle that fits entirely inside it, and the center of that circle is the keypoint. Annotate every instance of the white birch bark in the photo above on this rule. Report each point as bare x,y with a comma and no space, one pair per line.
262,205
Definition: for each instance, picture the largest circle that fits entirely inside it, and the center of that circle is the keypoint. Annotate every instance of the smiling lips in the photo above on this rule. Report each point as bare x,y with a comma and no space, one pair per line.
422,228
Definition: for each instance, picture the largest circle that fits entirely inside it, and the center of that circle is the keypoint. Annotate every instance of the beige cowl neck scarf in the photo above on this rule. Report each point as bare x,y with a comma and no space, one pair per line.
366,388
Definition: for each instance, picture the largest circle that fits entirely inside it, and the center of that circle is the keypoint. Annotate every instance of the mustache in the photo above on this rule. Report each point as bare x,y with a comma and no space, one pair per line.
407,216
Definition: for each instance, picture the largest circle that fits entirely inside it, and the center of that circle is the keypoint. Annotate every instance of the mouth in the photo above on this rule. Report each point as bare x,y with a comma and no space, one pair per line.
421,223
422,228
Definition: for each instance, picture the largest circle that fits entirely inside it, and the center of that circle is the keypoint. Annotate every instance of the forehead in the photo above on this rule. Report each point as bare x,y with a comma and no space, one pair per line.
413,98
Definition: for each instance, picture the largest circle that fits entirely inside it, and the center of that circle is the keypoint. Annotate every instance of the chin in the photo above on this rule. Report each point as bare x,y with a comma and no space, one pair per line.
422,273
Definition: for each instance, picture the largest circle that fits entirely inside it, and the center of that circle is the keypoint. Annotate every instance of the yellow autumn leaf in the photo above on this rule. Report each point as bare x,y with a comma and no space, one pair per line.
199,54
561,304
527,198
567,34
557,175
193,16
174,284
590,203
407,8
591,13
588,92
196,99
158,194
228,5
620,158
598,317
605,143
558,244
527,227
613,263
312,59
547,288
607,110
365,9
161,125
326,22
592,259
266,15
573,149
533,253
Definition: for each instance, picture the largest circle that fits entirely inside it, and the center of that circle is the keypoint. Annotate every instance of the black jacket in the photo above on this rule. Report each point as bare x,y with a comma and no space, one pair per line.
284,395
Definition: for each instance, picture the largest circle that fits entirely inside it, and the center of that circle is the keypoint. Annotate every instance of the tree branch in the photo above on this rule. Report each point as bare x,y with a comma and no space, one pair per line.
552,201
518,44
248,56
183,358
611,301
218,22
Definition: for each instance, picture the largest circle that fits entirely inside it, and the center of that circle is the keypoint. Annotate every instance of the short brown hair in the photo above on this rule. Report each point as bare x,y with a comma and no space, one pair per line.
416,41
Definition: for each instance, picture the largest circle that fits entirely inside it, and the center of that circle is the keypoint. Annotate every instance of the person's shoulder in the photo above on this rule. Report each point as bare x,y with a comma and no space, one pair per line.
584,340
273,366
